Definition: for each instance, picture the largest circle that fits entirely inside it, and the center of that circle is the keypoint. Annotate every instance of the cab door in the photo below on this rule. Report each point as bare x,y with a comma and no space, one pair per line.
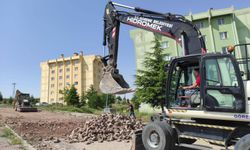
221,84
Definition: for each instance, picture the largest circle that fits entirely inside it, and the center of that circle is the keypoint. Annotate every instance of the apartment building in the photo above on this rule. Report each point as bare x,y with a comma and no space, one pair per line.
219,27
78,70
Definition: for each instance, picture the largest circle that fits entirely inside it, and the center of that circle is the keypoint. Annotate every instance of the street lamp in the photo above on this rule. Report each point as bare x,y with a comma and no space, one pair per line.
14,89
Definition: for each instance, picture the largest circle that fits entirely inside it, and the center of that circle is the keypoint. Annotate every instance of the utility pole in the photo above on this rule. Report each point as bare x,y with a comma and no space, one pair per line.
14,89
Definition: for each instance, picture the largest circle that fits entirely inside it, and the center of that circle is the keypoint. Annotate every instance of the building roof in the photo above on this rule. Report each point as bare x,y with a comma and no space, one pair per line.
211,13
74,57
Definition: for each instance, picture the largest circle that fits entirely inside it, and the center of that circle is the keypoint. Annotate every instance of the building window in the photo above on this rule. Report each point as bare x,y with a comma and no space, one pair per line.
60,64
51,92
52,65
60,70
61,98
76,68
221,21
223,35
52,71
75,76
52,85
60,77
67,76
67,62
52,99
60,84
76,62
76,83
52,78
224,49
67,83
165,44
199,25
68,69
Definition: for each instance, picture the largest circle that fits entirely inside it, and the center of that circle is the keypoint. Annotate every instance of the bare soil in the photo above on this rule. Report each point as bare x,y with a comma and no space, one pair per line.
50,130
36,127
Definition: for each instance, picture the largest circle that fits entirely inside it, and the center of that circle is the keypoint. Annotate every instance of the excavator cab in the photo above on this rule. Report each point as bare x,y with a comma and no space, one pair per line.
221,85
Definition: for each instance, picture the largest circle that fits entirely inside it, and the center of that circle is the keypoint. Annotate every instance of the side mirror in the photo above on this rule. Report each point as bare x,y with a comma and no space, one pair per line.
242,73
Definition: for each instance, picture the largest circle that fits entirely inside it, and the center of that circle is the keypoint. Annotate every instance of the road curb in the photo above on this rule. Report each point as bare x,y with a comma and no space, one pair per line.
24,142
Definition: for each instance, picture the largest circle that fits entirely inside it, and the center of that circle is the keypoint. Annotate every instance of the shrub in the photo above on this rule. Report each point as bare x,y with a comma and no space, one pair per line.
70,96
1,97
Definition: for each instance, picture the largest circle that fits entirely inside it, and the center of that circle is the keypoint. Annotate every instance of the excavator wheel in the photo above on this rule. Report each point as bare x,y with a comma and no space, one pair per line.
243,143
158,135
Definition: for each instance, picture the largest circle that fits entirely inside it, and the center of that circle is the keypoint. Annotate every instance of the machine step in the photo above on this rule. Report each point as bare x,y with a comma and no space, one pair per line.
205,125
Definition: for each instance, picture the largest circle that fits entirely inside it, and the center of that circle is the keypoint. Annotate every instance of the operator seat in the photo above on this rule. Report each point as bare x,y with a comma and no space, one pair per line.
195,99
210,102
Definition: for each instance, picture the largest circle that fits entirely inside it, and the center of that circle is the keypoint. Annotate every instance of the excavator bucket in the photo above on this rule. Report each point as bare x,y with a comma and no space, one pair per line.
112,83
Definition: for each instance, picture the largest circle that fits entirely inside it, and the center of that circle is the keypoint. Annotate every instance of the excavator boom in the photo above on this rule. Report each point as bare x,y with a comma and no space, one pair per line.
170,25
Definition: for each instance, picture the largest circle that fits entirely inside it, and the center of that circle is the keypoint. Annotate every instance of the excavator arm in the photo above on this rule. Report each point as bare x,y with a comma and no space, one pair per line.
174,26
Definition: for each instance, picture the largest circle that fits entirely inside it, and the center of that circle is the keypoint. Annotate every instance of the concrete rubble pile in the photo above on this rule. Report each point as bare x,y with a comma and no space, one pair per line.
106,127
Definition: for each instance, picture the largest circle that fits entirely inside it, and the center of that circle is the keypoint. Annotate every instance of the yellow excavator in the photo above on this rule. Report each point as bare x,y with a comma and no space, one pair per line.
22,102
218,111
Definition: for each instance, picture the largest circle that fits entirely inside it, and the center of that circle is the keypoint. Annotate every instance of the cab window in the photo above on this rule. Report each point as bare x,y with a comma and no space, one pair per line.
221,81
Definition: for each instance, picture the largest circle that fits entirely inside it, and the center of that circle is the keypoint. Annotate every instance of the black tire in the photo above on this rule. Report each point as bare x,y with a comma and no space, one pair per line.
158,135
155,118
187,141
243,143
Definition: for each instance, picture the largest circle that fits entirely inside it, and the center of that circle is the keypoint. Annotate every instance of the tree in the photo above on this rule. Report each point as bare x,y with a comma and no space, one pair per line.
94,99
82,100
70,96
1,97
150,81
33,100
10,100
118,99
135,102
97,100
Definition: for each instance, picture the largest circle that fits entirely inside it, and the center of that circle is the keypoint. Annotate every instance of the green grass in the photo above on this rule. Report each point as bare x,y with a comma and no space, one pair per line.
2,105
120,108
145,117
123,109
14,140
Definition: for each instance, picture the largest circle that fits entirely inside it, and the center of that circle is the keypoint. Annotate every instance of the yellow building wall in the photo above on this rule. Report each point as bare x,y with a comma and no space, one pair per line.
81,71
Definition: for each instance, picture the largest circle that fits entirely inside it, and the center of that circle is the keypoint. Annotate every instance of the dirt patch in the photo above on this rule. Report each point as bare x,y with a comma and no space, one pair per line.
51,130
42,129
36,127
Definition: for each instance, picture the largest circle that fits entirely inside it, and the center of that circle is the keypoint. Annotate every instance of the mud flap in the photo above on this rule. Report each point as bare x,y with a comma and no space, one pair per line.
137,141
112,83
